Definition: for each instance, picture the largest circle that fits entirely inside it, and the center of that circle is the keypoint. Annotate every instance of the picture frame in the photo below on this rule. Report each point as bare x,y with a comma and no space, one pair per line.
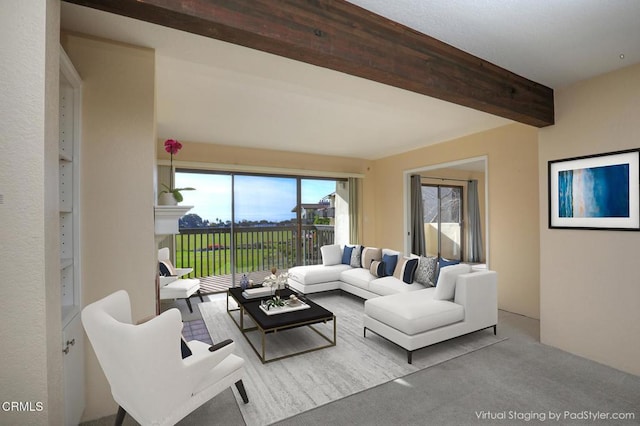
597,192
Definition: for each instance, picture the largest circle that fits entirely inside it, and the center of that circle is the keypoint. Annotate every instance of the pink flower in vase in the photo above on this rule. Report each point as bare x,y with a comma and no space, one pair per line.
172,146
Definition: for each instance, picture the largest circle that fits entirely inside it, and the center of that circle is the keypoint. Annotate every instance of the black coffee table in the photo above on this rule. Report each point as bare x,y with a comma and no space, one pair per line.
266,324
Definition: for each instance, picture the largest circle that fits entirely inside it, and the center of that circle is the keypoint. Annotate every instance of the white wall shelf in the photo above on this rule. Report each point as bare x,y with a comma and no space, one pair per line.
72,344
166,219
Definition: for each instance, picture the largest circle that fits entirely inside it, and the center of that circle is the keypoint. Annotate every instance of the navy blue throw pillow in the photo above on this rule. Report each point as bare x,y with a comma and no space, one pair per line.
445,262
408,270
390,261
346,255
164,271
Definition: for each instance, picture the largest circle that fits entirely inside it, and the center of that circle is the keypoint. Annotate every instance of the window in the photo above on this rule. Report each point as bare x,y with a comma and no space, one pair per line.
443,220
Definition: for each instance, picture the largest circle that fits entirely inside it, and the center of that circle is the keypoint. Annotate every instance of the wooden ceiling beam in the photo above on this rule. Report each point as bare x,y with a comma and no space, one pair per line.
343,37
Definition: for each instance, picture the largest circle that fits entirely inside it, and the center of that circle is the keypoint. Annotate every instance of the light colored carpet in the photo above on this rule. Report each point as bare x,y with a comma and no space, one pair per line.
287,387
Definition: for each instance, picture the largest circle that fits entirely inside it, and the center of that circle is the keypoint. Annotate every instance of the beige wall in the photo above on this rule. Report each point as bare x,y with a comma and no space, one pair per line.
261,157
31,368
589,281
117,172
513,205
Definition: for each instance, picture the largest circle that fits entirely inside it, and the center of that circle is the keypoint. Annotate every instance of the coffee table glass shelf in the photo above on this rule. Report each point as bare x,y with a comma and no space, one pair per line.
305,314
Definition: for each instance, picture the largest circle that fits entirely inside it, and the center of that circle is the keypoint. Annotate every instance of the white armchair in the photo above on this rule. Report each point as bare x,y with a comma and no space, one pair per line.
143,363
174,287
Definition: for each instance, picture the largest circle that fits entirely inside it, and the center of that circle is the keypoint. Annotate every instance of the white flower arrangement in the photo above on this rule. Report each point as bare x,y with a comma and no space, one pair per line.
276,281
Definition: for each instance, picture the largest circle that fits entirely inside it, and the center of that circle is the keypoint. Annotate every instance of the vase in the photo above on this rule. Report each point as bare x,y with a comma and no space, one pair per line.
244,282
167,199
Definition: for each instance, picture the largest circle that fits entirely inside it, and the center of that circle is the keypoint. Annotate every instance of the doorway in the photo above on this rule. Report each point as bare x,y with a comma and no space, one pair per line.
448,175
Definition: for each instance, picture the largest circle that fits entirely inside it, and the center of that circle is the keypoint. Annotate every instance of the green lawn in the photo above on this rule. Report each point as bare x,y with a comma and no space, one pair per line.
210,254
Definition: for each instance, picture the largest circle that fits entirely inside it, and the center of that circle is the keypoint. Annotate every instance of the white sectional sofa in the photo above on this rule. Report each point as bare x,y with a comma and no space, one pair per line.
353,278
408,313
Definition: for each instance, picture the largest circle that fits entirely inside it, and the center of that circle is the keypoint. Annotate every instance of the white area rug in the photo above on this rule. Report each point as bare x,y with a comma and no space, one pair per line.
287,387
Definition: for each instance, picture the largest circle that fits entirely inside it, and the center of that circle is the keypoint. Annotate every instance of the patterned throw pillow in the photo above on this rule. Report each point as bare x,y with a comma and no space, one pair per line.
356,254
377,268
426,271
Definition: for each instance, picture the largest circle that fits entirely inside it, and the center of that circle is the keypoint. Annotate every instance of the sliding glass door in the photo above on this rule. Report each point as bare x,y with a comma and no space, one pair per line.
443,220
264,225
248,223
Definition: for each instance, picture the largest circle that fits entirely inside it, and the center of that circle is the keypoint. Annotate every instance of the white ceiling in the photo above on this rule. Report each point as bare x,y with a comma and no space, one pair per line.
215,92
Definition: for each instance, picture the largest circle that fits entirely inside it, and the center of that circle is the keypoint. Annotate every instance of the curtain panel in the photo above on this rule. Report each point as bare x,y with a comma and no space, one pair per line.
354,211
474,246
417,217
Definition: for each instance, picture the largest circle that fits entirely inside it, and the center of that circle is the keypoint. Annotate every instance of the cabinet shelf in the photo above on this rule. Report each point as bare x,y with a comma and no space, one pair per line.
68,187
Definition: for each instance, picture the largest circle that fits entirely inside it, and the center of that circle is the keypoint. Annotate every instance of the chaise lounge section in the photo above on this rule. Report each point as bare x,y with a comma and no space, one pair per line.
420,319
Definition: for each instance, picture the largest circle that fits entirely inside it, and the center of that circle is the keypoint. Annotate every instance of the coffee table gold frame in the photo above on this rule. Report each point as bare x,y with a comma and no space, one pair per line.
263,332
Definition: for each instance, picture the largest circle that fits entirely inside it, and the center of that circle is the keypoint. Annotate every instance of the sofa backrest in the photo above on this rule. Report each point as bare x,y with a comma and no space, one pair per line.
477,291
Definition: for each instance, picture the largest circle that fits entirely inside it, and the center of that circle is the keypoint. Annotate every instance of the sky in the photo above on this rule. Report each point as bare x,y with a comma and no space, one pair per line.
257,197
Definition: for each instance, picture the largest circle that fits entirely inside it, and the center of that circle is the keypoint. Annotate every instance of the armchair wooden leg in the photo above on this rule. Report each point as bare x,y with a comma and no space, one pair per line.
189,304
243,392
120,416
200,296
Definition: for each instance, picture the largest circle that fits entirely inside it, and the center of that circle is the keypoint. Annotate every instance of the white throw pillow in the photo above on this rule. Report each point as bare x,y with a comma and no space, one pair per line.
446,286
331,254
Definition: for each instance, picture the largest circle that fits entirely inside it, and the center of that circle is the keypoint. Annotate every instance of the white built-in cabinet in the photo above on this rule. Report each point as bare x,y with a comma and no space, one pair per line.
70,282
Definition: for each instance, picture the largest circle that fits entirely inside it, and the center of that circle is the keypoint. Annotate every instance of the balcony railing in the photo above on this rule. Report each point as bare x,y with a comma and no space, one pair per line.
210,252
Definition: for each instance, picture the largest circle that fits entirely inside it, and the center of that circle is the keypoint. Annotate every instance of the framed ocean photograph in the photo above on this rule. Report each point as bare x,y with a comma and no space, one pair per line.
596,192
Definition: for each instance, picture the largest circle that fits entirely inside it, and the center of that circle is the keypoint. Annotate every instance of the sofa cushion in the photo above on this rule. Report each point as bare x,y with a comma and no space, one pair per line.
406,269
426,271
314,274
358,277
443,263
346,255
331,254
369,254
356,257
390,261
391,285
446,286
414,312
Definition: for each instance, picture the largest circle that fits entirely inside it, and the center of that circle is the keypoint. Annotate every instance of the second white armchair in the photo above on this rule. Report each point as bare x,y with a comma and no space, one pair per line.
171,285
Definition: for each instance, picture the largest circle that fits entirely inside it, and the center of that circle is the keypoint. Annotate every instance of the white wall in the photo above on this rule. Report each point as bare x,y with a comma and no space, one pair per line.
31,368
341,210
589,280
